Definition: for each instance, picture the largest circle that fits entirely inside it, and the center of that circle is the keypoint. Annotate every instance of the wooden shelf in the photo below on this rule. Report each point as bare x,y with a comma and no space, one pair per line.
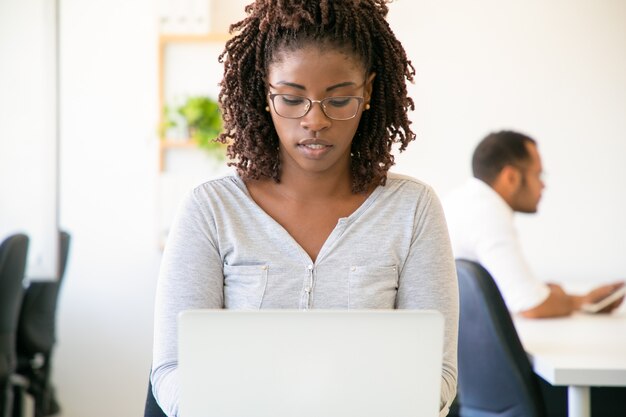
178,143
191,38
172,144
164,41
168,144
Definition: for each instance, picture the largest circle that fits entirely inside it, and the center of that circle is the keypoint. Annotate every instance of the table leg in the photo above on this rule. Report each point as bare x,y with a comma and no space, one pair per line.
578,401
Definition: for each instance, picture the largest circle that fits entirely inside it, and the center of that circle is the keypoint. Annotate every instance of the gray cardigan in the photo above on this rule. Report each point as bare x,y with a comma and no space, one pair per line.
224,251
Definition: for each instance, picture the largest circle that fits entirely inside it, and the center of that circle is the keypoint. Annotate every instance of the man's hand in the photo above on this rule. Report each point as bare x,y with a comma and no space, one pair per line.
558,304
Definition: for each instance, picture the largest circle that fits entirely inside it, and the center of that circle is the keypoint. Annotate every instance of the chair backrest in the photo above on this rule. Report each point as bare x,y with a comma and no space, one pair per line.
152,408
13,254
495,375
36,331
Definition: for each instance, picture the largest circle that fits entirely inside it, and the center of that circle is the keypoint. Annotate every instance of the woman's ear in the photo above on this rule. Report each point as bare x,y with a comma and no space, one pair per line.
369,85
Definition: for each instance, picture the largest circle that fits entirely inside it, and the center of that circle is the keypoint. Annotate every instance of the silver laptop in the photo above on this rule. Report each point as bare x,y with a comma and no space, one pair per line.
315,363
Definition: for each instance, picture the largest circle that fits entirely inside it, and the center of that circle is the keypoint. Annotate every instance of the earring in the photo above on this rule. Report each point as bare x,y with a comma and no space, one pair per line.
267,108
367,106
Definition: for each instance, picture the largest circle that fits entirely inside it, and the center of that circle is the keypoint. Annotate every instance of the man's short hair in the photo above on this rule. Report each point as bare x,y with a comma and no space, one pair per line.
497,150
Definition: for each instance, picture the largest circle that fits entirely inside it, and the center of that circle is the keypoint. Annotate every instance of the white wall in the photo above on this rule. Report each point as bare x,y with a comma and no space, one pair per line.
108,194
28,130
553,69
556,70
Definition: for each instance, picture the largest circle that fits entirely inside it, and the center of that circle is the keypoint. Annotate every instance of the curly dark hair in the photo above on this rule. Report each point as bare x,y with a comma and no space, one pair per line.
273,26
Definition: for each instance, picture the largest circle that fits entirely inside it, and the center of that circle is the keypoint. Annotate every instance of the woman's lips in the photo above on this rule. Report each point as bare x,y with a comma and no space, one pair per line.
314,148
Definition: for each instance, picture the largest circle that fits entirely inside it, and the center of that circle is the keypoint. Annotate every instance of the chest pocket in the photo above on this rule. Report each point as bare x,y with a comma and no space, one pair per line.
373,287
244,286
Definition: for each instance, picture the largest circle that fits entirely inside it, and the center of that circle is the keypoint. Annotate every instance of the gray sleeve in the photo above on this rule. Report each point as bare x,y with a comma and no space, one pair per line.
191,277
428,281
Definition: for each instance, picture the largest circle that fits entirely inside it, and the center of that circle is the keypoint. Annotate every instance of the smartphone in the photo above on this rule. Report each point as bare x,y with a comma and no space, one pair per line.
606,301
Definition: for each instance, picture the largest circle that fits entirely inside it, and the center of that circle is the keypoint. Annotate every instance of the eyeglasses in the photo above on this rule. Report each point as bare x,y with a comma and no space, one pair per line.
291,106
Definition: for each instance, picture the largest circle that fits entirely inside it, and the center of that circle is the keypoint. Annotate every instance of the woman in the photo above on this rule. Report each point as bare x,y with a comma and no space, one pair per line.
313,98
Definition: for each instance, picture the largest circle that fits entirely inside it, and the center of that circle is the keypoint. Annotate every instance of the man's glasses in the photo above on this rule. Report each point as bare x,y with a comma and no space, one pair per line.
291,106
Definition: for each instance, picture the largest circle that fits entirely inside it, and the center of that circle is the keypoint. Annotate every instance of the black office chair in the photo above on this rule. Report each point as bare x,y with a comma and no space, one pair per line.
495,375
152,408
36,335
13,253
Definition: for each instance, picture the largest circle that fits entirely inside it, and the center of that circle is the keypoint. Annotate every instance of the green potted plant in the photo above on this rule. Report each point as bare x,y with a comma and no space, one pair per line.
203,120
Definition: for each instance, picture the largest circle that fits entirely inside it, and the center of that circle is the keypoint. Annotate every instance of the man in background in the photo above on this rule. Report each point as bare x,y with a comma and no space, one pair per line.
508,178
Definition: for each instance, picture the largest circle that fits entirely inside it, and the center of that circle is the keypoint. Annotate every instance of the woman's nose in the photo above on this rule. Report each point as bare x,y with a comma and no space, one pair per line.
315,119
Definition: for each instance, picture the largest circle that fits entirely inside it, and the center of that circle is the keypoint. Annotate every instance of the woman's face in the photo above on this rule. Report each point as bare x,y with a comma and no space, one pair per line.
315,143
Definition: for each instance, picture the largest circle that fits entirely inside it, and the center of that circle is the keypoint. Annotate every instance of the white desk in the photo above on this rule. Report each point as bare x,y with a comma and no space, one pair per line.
579,351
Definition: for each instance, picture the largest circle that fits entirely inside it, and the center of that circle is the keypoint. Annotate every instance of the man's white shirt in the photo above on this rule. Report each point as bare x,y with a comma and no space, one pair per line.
482,229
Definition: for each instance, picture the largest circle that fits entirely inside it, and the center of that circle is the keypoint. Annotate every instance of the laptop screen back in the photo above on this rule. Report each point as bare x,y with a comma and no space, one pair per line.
315,363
